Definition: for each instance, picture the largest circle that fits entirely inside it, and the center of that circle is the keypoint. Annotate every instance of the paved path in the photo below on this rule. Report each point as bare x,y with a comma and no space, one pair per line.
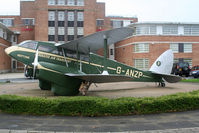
183,122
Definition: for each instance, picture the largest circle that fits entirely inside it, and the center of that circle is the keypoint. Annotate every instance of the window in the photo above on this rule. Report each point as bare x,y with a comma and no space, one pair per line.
51,2
189,61
51,37
45,48
51,30
170,30
71,23
28,21
70,37
1,33
100,22
116,23
51,23
61,16
8,22
30,45
80,23
142,64
71,31
61,31
60,37
80,16
191,30
80,2
51,16
61,23
70,16
174,47
187,48
146,30
80,31
111,51
141,48
71,2
61,2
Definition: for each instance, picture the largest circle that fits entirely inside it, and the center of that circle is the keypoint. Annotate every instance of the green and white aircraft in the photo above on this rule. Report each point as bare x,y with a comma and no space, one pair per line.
69,68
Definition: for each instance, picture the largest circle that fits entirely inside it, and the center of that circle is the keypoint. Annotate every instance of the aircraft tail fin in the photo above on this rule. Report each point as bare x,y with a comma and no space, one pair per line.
163,67
164,63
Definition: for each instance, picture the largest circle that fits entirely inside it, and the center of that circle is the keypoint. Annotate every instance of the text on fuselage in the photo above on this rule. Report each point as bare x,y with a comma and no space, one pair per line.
130,72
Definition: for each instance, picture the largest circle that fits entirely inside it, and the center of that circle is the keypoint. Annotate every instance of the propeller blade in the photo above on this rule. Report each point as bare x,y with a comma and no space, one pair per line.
35,63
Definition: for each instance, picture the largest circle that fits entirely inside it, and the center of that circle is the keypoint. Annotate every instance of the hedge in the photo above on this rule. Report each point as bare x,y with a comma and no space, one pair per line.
95,106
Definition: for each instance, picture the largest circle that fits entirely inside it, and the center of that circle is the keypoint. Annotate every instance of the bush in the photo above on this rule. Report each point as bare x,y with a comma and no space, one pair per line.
95,106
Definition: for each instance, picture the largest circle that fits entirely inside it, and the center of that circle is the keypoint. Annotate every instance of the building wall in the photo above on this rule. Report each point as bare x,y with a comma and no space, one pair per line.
5,63
157,45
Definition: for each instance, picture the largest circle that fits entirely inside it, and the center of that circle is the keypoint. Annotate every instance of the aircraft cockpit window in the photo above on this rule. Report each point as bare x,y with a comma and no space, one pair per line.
45,48
29,44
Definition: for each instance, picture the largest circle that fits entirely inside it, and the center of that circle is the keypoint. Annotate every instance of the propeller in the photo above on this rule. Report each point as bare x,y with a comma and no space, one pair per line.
35,63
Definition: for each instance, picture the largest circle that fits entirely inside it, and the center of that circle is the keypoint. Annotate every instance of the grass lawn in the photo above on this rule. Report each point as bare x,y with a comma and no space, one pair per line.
191,80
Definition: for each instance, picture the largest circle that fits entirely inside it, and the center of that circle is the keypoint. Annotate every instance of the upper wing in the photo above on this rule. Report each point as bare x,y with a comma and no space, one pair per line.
94,42
98,78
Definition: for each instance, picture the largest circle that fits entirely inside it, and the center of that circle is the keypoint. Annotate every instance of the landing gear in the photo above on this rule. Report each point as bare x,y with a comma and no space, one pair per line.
84,87
161,84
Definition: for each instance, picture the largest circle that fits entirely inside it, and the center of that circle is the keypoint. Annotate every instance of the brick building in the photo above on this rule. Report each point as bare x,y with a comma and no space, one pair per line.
151,39
60,20
7,38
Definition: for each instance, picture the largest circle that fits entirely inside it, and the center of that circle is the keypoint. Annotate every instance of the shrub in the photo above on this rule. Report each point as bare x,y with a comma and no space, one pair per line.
95,106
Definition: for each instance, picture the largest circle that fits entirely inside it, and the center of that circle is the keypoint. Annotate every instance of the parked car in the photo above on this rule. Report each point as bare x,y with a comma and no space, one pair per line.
181,68
195,71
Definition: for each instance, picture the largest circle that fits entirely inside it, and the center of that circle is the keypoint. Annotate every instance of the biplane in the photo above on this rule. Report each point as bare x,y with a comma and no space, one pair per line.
69,68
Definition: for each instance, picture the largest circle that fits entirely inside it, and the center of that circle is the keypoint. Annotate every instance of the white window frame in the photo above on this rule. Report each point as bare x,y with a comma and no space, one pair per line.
51,2
8,21
170,30
71,16
61,31
187,48
71,31
80,16
142,64
80,31
80,2
141,48
60,2
71,2
146,30
174,47
51,30
51,16
61,16
191,30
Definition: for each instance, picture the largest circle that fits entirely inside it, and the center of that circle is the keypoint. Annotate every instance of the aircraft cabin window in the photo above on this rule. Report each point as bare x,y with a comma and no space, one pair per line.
84,57
58,52
30,45
45,48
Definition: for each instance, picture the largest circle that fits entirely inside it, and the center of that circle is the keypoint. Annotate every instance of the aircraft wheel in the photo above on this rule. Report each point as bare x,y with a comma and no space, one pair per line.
163,85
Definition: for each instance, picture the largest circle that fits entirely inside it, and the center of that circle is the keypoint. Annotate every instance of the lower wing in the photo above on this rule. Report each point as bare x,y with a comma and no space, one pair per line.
98,78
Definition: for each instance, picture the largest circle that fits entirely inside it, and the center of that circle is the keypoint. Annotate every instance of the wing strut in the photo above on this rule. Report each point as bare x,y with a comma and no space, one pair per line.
65,57
105,72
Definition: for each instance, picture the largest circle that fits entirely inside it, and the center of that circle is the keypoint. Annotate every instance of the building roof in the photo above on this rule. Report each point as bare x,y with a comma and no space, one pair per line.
164,23
6,28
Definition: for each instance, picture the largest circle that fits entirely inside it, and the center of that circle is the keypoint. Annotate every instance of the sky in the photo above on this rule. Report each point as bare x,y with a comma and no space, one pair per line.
145,10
